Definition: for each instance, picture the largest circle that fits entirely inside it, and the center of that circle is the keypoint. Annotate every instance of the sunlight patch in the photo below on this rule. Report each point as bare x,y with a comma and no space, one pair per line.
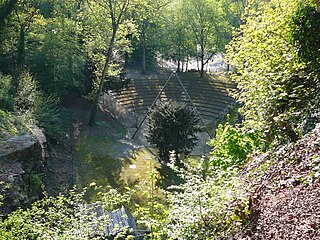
132,166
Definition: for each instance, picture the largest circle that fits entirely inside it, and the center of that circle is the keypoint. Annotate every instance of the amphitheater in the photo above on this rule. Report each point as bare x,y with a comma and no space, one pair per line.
209,95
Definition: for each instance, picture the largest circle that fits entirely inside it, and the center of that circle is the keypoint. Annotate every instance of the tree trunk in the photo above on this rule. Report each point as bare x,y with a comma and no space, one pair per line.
198,68
202,62
94,108
21,48
143,45
20,58
187,64
179,60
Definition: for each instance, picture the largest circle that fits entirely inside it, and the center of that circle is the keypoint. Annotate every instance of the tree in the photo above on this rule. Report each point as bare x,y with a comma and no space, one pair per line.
177,41
6,8
148,16
105,17
56,54
18,18
275,83
172,127
210,28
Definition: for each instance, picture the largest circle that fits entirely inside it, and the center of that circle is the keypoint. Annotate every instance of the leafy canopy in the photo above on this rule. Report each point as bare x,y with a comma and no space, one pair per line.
275,85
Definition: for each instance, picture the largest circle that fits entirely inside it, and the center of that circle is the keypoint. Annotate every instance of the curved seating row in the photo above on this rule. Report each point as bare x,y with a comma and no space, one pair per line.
209,95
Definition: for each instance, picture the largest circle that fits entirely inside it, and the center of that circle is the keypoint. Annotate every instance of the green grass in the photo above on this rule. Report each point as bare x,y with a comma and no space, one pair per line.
96,162
97,150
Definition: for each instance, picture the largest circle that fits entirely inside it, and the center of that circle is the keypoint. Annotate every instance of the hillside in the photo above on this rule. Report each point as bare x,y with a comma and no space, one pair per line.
284,187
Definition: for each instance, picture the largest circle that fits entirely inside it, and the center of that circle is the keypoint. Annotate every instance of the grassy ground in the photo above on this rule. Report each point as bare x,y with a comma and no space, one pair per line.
107,160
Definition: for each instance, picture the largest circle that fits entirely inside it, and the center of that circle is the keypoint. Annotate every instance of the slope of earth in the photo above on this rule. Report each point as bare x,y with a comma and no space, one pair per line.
63,162
104,154
285,191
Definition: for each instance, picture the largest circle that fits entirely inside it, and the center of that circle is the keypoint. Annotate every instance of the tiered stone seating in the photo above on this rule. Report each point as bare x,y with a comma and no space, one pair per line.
209,95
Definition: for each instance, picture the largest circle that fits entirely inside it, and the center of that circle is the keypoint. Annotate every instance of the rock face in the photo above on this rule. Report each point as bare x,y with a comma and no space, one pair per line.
22,170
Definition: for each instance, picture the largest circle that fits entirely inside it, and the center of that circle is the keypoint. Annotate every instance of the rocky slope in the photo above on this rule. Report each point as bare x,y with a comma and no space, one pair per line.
22,169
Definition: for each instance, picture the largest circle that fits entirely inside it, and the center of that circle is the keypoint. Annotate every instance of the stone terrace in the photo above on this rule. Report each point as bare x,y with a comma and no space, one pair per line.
210,95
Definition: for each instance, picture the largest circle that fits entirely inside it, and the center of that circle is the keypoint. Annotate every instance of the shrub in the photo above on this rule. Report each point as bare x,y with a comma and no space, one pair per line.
6,99
172,126
206,207
37,108
61,217
278,83
10,125
231,146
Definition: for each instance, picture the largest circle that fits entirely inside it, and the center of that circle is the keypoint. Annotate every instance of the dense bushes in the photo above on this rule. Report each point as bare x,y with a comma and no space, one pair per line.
6,100
275,83
10,125
61,217
37,108
206,206
27,105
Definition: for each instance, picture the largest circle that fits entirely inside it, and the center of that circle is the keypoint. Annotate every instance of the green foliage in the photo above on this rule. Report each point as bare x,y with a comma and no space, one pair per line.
152,213
10,125
62,217
26,93
6,100
206,207
172,126
49,117
305,35
231,146
306,22
37,108
273,79
55,55
35,182
116,82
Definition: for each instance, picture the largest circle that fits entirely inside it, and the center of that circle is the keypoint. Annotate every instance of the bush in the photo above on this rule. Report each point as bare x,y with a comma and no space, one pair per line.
206,207
276,56
6,99
231,146
9,125
62,217
172,126
26,93
37,108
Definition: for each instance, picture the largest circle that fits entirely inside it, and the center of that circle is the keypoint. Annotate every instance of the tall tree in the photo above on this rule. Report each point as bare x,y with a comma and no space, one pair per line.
106,12
147,15
176,40
210,28
56,52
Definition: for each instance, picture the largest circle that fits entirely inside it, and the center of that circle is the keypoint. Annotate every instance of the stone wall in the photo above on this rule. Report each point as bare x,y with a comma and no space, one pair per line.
22,170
